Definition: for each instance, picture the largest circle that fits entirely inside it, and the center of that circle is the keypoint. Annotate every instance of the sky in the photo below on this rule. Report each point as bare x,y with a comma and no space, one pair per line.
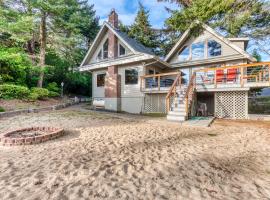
127,10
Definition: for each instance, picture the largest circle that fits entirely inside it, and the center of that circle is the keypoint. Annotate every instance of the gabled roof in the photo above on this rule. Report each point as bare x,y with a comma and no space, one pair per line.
132,44
213,32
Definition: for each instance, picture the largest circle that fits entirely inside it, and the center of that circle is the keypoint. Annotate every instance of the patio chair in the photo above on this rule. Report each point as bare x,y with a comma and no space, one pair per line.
202,109
232,74
220,75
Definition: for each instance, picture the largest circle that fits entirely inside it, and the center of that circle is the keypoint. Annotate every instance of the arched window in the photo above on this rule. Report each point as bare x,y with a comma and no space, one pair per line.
184,54
214,48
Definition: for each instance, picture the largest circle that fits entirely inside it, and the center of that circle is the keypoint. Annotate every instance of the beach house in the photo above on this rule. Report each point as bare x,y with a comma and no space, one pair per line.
207,75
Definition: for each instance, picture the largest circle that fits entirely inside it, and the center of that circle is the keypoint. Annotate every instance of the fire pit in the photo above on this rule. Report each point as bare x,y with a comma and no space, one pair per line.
31,135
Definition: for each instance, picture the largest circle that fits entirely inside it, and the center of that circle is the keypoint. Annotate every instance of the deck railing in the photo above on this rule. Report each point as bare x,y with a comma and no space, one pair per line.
173,91
189,96
250,75
157,82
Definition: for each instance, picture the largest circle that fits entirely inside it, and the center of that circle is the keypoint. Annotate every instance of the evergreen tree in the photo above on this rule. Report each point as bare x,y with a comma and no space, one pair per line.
249,18
141,30
66,27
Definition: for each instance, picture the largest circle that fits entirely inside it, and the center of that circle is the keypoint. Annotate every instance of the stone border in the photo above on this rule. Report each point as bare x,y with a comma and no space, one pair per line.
51,133
36,110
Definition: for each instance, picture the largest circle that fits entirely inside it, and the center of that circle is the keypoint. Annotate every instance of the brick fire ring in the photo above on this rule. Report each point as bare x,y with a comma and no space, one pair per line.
45,134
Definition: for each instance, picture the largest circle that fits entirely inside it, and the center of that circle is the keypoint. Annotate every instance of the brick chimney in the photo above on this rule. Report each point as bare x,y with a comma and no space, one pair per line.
113,19
113,41
113,79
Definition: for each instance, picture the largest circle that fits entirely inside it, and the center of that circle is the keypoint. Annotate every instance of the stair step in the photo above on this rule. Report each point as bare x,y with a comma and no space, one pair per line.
176,118
179,105
182,109
177,113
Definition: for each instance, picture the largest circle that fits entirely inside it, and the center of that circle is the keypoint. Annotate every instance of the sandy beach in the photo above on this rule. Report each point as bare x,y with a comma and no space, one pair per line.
121,156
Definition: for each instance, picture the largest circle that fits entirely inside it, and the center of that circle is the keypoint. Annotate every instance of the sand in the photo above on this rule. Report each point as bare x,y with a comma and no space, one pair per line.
121,156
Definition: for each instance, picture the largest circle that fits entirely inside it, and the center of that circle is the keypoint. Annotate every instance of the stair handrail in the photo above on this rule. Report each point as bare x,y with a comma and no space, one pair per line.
189,96
172,91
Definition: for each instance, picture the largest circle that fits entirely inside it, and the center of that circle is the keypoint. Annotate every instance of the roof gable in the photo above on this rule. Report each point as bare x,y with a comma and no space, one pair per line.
134,46
226,41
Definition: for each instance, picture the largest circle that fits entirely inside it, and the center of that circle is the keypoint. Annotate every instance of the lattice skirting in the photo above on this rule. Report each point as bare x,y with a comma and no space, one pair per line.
154,103
231,104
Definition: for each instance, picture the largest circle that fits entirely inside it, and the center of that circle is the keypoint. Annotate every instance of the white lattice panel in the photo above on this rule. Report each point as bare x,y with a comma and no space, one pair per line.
155,103
231,104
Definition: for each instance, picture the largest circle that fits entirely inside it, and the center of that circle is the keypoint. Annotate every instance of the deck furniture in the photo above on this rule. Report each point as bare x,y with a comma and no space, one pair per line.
220,75
231,75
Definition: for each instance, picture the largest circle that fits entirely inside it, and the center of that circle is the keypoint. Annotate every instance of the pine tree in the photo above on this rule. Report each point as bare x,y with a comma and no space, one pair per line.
141,30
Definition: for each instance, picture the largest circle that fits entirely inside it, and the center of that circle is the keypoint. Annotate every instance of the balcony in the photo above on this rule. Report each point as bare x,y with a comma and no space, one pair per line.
239,77
158,83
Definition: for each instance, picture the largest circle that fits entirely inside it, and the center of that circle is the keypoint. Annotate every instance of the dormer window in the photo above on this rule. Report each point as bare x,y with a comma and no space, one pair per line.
214,48
122,50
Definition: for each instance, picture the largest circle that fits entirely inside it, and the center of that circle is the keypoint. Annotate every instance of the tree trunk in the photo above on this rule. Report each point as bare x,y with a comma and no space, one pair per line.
43,38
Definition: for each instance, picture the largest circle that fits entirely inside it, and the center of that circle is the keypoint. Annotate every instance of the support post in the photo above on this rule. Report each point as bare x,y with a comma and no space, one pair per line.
158,83
242,75
215,80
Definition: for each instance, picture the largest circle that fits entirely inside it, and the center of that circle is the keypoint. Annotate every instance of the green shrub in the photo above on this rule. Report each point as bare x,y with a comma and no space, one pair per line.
2,109
53,94
41,93
33,96
53,87
10,91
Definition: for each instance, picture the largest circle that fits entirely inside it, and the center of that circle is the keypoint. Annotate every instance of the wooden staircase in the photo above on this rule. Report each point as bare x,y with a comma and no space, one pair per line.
179,99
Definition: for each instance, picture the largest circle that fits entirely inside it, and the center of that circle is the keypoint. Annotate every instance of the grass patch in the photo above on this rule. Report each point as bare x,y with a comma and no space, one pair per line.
2,109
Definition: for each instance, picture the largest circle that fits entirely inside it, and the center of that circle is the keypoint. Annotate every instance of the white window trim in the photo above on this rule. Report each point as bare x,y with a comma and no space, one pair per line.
221,47
104,79
119,49
102,52
136,68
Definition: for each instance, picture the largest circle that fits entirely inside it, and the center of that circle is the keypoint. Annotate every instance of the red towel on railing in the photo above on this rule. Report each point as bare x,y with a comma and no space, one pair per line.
231,74
219,75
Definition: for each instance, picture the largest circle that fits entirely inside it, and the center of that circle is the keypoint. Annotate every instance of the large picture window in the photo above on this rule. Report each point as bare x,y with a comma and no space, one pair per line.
198,51
131,76
101,80
184,54
214,48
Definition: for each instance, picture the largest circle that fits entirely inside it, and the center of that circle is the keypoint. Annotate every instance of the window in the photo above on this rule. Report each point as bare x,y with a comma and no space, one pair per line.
214,48
122,50
105,49
101,80
198,51
131,76
184,54
99,56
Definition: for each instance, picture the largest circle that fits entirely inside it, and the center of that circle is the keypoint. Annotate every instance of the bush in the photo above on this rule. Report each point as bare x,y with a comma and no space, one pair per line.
2,109
53,94
10,91
39,93
53,87
33,96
